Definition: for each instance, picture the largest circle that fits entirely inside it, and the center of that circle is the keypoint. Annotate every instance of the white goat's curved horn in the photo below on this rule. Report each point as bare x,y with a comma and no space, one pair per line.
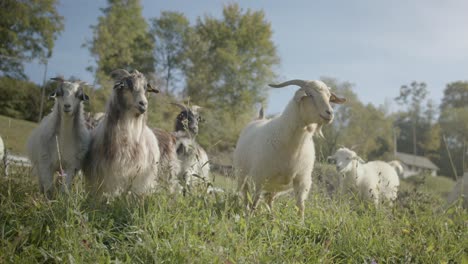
181,106
58,79
297,82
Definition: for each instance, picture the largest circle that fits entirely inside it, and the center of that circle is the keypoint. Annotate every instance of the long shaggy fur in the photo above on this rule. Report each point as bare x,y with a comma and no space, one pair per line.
169,163
124,152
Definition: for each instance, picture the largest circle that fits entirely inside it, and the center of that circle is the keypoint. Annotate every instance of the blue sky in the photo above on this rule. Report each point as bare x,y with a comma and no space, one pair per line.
377,45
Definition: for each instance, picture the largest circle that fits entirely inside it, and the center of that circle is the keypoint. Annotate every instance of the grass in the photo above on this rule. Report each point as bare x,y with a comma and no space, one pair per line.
163,228
15,133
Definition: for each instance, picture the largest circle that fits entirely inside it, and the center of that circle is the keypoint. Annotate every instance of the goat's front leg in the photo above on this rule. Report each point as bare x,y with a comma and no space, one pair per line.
301,185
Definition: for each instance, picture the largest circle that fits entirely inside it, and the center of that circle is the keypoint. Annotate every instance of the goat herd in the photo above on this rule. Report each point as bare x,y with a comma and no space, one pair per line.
121,154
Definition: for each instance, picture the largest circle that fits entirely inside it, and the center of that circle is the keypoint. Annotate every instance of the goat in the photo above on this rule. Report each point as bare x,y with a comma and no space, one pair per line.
277,155
375,180
195,167
61,140
124,152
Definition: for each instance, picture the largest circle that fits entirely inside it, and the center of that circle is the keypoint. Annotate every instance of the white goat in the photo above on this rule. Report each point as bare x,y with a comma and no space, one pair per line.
398,167
64,129
124,152
278,154
375,180
195,167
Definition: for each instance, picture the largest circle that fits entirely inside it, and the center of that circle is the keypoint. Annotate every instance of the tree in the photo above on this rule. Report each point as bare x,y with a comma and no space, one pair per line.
170,31
365,128
453,121
121,40
28,30
228,63
412,96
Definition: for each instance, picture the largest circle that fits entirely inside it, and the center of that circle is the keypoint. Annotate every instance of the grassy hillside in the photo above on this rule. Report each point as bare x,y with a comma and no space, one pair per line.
164,228
14,133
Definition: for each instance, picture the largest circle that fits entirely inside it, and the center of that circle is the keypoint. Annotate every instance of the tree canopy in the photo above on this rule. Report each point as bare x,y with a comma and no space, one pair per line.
28,30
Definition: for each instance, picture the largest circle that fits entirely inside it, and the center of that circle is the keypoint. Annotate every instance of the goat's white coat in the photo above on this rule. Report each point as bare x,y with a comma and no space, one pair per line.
73,139
278,154
194,162
398,167
375,180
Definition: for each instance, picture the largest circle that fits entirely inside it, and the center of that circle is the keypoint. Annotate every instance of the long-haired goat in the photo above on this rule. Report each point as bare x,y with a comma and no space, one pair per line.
193,158
124,152
64,129
277,155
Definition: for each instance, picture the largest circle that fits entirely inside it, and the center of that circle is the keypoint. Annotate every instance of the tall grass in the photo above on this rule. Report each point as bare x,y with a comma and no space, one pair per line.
163,228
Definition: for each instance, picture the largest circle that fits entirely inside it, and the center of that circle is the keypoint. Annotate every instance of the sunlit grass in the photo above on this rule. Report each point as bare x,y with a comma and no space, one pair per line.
163,228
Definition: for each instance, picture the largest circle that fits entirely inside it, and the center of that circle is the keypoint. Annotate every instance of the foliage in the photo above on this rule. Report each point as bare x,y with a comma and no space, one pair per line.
365,128
161,228
20,99
15,133
121,40
229,62
28,30
170,31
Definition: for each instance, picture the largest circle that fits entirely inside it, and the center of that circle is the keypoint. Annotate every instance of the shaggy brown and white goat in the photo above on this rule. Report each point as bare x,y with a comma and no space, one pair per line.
124,152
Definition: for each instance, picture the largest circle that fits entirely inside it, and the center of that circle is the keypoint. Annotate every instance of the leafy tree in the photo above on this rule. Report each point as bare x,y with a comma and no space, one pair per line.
228,63
28,30
412,96
453,121
455,95
121,40
365,128
170,31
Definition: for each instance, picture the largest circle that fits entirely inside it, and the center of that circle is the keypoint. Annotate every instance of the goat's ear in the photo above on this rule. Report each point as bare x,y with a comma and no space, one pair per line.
337,100
84,97
301,93
119,74
151,89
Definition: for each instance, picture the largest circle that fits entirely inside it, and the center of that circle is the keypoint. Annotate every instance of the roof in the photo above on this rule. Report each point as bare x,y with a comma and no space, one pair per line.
417,161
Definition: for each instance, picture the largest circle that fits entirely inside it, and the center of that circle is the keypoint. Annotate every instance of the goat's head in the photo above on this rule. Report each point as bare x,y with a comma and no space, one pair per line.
345,159
313,98
130,90
69,95
188,118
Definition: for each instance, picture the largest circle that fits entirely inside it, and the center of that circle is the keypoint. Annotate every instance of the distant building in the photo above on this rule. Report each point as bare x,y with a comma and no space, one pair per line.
413,165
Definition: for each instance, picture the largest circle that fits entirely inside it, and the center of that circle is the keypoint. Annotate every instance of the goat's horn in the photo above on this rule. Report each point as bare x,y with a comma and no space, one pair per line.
58,79
297,82
181,106
119,74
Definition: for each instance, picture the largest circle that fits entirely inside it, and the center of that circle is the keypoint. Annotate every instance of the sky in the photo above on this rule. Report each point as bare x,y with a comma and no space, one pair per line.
376,45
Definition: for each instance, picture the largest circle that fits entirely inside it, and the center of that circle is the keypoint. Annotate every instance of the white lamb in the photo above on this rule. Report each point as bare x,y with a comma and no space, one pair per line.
398,168
67,126
124,152
276,155
375,180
